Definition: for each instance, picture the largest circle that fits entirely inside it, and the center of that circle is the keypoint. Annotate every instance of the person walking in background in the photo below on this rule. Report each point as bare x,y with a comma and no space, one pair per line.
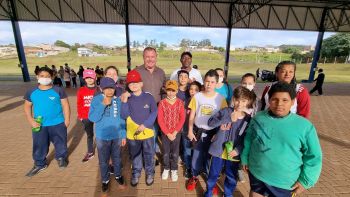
61,76
80,74
319,83
74,78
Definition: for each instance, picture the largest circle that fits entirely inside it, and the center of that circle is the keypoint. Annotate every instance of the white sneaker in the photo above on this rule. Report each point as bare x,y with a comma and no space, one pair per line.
174,175
165,174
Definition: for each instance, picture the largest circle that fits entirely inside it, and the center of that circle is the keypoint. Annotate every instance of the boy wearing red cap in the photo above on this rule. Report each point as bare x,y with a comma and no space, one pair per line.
140,111
171,118
84,98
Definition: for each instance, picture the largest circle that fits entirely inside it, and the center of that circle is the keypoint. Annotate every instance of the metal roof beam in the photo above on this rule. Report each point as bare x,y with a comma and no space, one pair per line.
74,11
177,9
25,7
200,13
161,15
97,13
60,19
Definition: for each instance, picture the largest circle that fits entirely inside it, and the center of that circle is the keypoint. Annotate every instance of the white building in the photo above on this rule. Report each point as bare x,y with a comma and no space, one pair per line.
84,52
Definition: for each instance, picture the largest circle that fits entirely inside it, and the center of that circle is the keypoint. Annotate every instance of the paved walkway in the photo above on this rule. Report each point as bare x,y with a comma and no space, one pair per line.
330,114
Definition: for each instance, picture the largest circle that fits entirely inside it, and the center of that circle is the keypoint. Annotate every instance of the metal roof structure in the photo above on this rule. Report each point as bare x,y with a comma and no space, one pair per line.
256,14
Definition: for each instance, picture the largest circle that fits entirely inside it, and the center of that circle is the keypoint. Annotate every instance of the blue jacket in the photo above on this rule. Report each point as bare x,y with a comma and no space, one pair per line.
235,134
108,123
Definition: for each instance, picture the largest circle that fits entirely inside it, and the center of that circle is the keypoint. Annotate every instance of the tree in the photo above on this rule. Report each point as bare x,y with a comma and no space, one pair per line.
60,43
338,45
185,43
145,43
291,50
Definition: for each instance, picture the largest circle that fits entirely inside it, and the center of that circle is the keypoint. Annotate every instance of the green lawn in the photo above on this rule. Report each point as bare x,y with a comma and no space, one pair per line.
169,61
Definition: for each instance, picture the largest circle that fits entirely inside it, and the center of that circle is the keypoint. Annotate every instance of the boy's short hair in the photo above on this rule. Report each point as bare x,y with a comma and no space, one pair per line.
249,75
196,83
282,87
186,53
182,71
243,92
212,73
45,69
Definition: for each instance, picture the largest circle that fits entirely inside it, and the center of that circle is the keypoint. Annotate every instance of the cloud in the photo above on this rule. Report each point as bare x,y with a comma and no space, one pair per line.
42,32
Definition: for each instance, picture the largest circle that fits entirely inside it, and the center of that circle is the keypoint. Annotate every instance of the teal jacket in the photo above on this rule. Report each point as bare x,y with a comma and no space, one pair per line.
282,151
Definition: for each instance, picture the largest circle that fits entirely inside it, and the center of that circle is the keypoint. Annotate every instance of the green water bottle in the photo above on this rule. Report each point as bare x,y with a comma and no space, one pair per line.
39,120
229,148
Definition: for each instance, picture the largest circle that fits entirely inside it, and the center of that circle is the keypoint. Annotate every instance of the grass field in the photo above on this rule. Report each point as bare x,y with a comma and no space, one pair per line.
241,62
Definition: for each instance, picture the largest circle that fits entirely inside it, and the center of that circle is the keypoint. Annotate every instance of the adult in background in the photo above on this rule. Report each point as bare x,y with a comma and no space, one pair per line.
153,78
186,64
80,74
319,82
285,72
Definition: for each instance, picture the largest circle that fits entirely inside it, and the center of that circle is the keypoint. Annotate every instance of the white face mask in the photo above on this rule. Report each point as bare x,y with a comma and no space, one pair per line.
250,87
44,81
221,79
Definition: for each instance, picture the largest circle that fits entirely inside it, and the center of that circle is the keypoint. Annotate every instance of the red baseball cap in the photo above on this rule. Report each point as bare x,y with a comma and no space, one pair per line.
133,77
89,74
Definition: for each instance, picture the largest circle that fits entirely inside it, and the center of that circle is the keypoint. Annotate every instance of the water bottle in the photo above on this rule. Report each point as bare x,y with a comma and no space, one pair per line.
229,148
39,120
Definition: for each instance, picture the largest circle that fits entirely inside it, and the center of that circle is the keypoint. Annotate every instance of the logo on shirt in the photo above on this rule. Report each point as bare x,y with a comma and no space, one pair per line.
52,98
206,110
146,106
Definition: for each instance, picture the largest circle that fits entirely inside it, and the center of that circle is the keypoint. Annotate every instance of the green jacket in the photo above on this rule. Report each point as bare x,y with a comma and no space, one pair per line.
282,151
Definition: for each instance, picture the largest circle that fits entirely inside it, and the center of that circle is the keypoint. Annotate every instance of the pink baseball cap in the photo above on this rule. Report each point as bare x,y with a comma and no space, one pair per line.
89,74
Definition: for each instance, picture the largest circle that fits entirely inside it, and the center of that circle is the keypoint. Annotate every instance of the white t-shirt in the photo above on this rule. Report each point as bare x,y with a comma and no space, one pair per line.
194,73
205,107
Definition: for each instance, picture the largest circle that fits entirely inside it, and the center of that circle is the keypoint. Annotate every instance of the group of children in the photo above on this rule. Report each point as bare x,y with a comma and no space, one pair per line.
218,131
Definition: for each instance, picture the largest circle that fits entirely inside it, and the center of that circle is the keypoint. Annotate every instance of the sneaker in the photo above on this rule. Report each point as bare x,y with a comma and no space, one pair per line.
134,181
120,180
174,175
149,180
62,163
111,169
188,174
241,176
35,170
105,186
191,184
165,174
215,190
87,157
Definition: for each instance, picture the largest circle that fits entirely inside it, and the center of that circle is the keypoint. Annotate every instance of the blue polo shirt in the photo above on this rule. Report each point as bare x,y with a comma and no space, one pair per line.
47,103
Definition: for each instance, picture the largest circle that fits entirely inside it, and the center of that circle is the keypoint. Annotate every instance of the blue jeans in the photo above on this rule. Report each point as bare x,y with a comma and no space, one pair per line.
264,189
200,157
142,151
187,150
231,172
109,149
57,134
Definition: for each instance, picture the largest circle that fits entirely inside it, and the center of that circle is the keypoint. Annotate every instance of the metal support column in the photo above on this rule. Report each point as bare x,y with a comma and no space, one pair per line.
18,40
228,42
127,35
318,46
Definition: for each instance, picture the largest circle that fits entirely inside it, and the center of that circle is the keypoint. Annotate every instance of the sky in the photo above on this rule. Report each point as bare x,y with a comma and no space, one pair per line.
42,32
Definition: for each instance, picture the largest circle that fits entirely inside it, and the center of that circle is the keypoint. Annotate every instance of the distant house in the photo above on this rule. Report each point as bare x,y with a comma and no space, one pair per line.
253,48
271,49
84,52
172,48
8,51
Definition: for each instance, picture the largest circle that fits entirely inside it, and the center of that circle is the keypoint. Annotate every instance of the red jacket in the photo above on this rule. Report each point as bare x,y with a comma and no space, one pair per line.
171,117
84,98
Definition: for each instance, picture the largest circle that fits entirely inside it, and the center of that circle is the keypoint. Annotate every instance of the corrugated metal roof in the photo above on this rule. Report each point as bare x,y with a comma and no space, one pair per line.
258,14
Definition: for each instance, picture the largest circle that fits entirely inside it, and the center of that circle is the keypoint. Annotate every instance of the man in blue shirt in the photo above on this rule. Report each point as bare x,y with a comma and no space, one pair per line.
51,103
